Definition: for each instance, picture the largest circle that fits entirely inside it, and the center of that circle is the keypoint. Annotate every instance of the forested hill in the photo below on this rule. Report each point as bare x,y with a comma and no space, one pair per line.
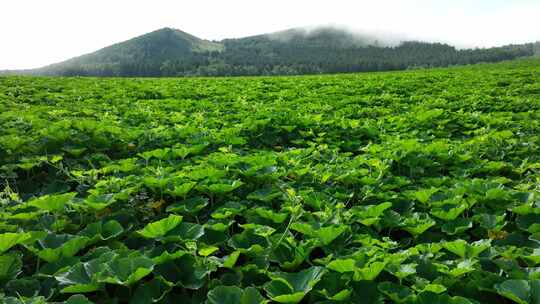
170,52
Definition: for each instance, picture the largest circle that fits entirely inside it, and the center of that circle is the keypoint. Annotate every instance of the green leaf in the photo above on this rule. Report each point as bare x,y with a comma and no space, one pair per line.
529,222
252,296
225,295
181,190
535,291
342,265
24,287
60,266
268,214
160,228
456,268
247,241
262,230
224,188
166,256
518,291
328,234
402,271
52,247
10,266
82,277
184,232
156,183
434,288
189,206
188,271
369,215
126,270
101,231
151,292
531,256
292,287
341,296
430,298
265,195
424,195
78,299
230,260
365,292
228,210
449,212
206,251
496,194
369,272
288,253
396,293
490,221
535,237
98,202
52,202
20,300
333,287
161,154
417,223
465,250
304,228
234,295
293,297
457,226
8,240
375,210
525,209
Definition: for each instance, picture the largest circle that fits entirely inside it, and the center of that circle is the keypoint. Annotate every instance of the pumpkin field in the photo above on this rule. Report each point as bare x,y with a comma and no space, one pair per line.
413,187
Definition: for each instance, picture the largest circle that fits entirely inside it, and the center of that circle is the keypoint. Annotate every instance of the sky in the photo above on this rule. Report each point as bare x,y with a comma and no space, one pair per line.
34,33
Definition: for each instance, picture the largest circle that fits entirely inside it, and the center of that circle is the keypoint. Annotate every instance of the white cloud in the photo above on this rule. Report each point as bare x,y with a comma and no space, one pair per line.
35,33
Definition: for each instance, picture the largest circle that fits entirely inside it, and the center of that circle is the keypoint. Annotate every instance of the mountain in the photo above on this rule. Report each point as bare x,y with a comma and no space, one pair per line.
323,37
536,49
135,56
171,52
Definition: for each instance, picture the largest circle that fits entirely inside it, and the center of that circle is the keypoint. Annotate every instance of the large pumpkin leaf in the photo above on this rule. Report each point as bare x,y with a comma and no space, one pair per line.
83,277
102,231
367,272
156,230
465,250
10,266
417,223
184,232
225,187
325,235
151,292
292,287
97,203
53,203
126,270
396,292
234,295
10,239
189,206
520,291
78,299
55,246
370,215
181,189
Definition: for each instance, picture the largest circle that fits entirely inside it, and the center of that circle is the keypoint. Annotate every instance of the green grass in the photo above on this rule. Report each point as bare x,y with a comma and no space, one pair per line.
403,187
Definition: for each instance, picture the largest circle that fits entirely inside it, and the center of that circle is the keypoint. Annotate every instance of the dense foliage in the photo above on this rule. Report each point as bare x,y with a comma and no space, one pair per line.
405,187
169,52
